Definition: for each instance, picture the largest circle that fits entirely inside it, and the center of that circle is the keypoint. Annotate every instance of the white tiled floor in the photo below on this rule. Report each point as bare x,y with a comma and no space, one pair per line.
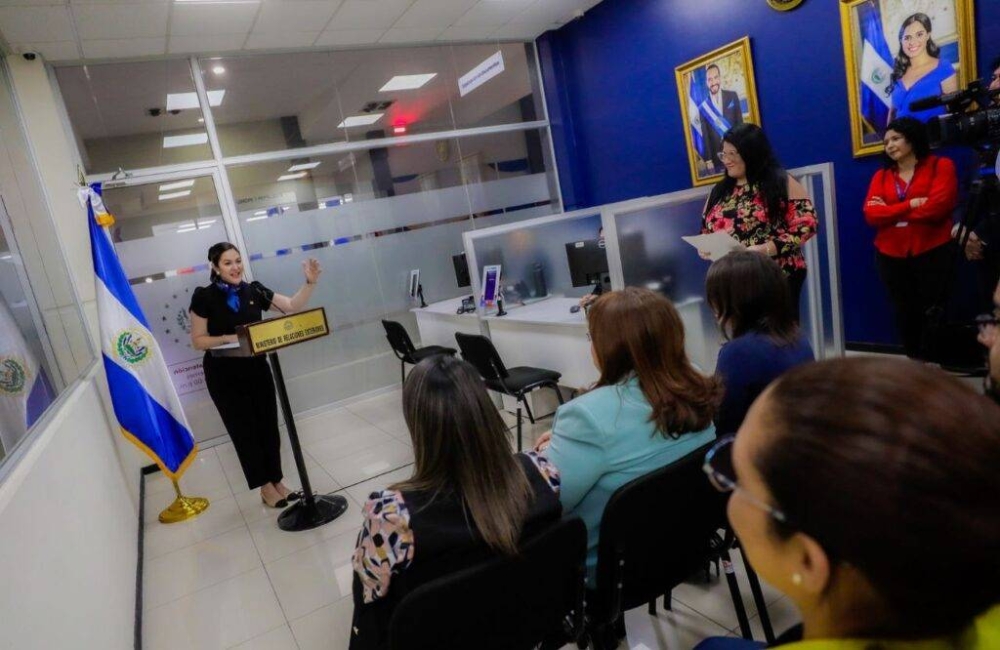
232,579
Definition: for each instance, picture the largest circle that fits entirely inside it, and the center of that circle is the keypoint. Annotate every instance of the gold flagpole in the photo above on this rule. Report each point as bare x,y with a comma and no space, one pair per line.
183,508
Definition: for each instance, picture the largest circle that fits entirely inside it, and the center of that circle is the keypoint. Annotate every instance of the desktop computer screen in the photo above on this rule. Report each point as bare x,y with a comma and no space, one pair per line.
461,270
588,264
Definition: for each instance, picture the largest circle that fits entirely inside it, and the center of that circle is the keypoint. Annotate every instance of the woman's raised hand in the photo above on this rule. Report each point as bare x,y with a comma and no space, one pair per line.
312,270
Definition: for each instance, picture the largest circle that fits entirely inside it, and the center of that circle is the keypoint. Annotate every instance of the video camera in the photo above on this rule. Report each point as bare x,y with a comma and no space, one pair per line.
977,128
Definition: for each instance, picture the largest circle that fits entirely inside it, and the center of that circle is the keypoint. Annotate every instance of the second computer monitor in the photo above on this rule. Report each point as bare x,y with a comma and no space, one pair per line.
588,263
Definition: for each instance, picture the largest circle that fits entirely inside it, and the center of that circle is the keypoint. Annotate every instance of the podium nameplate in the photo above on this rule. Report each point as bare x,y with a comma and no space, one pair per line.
276,333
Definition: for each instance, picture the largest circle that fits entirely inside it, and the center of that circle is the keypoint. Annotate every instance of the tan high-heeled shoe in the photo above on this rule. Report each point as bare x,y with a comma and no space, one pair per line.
280,503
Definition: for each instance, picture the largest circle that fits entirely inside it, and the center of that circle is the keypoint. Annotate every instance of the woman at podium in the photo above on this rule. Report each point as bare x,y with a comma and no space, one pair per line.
242,388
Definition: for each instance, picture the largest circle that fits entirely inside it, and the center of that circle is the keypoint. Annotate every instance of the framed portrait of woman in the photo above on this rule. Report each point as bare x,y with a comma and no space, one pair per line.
717,91
898,53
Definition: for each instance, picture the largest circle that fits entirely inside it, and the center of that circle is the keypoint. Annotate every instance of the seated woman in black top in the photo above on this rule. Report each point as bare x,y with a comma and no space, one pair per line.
469,497
749,295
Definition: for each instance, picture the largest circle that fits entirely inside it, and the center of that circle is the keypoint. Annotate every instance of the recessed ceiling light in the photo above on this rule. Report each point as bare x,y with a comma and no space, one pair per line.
174,195
360,120
291,177
407,82
179,185
219,69
304,166
171,141
183,101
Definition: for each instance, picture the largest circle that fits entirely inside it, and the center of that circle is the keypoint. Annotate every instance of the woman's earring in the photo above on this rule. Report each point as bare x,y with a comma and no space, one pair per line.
797,579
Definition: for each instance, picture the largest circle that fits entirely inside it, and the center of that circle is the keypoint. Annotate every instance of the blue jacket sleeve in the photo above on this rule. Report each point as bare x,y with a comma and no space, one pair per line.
733,368
578,450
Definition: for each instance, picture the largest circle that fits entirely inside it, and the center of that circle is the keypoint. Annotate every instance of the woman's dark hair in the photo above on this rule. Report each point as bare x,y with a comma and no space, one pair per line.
639,331
915,133
763,170
215,252
892,467
749,293
902,62
460,447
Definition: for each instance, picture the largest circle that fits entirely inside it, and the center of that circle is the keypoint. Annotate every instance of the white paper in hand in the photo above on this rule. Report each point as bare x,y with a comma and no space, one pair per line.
716,244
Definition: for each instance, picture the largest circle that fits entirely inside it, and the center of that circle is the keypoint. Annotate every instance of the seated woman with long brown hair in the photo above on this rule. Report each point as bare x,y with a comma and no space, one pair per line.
469,497
649,408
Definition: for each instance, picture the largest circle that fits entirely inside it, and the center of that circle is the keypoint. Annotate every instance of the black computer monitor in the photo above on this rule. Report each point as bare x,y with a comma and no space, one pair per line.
588,263
461,270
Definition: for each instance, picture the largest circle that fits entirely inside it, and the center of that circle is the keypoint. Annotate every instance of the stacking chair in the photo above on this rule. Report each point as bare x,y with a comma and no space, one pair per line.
504,603
680,514
404,350
516,382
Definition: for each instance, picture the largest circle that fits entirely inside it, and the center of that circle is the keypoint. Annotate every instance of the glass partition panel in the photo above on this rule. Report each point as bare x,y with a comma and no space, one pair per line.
162,234
496,85
135,115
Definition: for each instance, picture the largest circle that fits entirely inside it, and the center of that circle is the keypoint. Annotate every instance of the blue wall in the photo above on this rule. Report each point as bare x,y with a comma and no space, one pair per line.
616,120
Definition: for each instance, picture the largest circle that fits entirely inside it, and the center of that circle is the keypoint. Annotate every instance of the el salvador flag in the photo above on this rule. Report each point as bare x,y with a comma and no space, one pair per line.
876,68
145,402
697,94
25,391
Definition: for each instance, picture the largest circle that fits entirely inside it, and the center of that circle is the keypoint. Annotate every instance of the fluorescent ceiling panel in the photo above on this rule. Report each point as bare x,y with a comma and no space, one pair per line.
304,166
407,82
179,185
172,141
184,101
291,177
174,195
360,120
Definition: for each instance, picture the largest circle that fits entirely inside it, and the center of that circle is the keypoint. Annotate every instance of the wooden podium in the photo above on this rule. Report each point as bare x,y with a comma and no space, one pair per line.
266,337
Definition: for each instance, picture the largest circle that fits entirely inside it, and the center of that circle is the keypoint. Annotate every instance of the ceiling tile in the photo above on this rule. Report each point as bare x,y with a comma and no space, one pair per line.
36,24
57,51
493,12
467,33
434,13
294,15
549,11
279,40
107,21
123,47
29,3
411,35
212,19
368,14
205,44
521,31
350,37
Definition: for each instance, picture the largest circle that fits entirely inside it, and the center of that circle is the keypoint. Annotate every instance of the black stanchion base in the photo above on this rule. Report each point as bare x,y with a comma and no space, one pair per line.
300,516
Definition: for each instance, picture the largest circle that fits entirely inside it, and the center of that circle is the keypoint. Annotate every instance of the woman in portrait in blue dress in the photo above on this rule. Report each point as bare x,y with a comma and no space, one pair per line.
919,71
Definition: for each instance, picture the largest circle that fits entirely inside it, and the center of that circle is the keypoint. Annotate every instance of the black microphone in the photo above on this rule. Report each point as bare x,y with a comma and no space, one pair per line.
258,288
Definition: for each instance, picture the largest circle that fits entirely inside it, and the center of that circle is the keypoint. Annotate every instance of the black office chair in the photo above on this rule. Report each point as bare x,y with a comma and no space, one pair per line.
516,382
404,350
656,532
504,603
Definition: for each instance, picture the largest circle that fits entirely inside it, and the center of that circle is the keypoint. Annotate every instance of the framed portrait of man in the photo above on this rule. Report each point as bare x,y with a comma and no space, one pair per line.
717,91
899,56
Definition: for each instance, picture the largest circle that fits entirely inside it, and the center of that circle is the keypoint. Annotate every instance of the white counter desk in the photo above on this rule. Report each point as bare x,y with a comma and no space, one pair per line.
438,322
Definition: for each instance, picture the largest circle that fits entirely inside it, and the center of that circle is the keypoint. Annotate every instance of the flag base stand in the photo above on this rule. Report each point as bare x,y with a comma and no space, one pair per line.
183,508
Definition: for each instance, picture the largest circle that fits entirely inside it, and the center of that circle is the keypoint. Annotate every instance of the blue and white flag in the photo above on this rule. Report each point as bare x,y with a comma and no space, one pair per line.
697,94
876,68
24,389
145,401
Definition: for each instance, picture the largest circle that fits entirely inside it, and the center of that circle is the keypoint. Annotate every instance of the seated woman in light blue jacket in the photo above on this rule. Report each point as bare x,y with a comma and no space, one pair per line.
650,407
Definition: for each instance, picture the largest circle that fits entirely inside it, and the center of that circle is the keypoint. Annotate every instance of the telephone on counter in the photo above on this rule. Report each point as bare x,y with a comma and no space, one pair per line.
468,306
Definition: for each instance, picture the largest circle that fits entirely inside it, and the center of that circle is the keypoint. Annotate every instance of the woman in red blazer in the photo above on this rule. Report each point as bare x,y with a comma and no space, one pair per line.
910,203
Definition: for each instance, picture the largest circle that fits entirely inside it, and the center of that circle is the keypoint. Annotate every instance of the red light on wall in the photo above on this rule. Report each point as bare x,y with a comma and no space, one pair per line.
399,129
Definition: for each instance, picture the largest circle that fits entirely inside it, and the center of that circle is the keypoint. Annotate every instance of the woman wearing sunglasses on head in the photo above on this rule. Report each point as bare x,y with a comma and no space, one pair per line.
866,490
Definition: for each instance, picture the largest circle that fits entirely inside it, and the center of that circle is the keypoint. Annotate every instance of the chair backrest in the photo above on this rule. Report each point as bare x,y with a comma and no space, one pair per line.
503,603
479,351
398,337
655,534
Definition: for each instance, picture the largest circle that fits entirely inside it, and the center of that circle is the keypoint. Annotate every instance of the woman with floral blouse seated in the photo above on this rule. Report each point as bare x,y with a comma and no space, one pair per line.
760,205
469,498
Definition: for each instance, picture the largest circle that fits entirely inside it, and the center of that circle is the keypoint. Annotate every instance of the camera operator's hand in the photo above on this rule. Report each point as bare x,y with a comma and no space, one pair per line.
974,248
917,202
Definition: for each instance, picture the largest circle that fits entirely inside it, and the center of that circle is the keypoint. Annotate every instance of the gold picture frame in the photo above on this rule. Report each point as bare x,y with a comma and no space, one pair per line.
953,32
706,115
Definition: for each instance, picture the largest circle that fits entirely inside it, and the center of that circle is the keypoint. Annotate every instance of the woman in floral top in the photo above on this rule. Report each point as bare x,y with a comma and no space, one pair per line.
760,205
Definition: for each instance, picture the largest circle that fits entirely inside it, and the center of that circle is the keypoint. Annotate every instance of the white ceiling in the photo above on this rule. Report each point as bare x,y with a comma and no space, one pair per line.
74,30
